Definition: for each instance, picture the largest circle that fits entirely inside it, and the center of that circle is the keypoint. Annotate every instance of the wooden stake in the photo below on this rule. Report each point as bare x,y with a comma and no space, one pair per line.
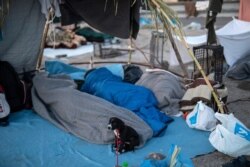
45,32
191,54
177,53
185,73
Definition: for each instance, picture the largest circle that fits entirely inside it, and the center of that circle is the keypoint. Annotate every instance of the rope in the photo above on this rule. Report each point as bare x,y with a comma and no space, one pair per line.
130,50
53,38
45,32
175,28
144,54
118,142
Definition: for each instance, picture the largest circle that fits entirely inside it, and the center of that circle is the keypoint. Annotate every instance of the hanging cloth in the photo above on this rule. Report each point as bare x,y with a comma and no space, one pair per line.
118,18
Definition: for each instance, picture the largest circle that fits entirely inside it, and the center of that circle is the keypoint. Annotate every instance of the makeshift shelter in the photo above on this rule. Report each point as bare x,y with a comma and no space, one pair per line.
31,140
25,39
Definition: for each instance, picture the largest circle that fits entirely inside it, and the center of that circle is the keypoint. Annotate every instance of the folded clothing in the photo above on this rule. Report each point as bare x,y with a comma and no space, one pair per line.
198,90
199,81
92,35
193,95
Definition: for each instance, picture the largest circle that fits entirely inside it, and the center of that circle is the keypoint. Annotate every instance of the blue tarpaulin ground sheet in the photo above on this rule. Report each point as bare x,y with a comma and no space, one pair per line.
29,140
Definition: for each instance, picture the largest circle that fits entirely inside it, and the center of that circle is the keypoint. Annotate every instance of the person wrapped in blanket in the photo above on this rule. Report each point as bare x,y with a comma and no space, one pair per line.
138,99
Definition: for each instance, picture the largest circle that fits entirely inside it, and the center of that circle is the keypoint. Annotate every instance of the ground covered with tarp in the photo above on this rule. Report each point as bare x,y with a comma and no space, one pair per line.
54,147
75,125
68,127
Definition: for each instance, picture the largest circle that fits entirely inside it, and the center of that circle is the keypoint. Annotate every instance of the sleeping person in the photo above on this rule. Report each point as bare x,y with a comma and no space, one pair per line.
138,99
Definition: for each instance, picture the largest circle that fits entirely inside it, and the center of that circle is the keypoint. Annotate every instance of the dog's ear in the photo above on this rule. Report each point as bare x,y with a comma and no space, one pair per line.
112,123
119,121
115,123
112,119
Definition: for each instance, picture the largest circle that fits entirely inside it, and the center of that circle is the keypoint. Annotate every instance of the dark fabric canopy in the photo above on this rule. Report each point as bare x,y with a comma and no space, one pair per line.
117,18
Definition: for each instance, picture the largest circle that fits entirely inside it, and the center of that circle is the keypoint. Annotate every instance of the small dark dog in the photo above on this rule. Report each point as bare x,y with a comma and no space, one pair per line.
126,138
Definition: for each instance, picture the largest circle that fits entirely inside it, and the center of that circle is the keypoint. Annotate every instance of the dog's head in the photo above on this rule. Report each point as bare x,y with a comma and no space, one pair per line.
115,123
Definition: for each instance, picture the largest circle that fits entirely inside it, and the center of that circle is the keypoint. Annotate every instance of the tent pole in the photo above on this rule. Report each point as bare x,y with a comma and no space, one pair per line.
219,104
45,32
171,39
177,53
130,48
191,54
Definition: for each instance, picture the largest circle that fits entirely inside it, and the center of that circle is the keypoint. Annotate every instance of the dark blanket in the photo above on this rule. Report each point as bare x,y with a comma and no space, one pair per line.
167,88
102,83
117,18
240,70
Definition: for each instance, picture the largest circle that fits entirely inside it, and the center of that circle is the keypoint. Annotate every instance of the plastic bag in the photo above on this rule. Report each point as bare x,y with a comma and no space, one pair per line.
231,137
202,117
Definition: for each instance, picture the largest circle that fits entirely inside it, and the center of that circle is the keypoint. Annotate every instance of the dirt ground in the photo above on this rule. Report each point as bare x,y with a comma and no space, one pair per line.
236,95
241,110
238,104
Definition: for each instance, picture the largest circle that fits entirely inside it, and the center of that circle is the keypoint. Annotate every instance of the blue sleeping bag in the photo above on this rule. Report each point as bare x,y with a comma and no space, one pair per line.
102,83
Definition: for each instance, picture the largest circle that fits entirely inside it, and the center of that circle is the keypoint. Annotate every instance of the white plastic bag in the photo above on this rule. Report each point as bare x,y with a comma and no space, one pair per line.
202,117
231,137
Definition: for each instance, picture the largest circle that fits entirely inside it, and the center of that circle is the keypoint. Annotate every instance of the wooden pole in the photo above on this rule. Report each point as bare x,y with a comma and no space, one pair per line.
219,104
177,53
172,41
190,52
45,32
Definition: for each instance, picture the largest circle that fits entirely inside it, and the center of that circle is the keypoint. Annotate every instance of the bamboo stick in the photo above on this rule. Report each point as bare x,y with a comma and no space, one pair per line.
185,73
45,32
174,46
191,54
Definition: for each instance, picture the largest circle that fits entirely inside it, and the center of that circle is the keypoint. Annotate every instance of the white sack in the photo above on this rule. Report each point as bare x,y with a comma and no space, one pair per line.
202,117
231,137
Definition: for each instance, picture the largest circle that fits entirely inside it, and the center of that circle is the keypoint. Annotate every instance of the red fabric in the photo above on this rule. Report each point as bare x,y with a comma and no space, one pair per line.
185,114
244,12
1,89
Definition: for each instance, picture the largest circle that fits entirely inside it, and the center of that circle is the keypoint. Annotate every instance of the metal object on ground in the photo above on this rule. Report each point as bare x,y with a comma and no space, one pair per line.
159,48
157,43
211,58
